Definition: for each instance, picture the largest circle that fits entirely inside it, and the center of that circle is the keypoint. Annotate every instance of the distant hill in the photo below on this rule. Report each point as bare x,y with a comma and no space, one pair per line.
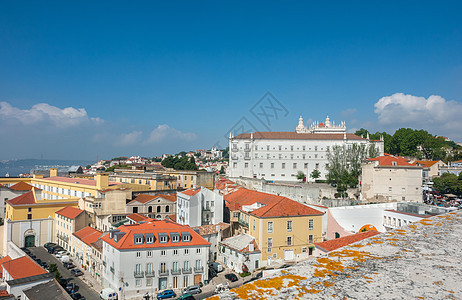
21,166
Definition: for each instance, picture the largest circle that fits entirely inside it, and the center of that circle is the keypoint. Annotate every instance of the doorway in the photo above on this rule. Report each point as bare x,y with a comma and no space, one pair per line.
29,241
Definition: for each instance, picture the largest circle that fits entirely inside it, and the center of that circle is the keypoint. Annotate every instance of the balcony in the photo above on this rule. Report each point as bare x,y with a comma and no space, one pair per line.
247,149
234,149
199,270
187,270
163,272
138,274
150,274
176,272
247,157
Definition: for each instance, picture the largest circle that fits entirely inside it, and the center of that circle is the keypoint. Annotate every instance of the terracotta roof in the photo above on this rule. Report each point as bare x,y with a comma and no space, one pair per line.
425,163
88,235
2,260
25,199
235,200
143,198
137,217
69,212
22,186
81,181
273,135
156,227
331,245
211,229
388,160
172,217
191,192
283,208
22,267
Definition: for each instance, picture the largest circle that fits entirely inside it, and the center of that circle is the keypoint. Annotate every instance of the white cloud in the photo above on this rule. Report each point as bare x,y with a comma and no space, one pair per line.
164,132
43,113
128,138
435,114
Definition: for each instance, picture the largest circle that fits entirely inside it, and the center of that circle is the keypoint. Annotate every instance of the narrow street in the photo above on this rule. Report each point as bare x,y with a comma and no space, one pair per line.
84,289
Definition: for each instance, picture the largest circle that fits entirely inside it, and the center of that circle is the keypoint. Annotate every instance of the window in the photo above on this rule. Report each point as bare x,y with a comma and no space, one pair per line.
289,225
304,148
186,238
175,252
175,282
267,147
280,147
246,165
310,239
186,251
175,266
186,265
315,148
29,209
310,224
304,250
138,282
185,281
198,251
235,215
163,238
272,165
175,238
295,165
149,239
291,148
261,165
317,166
403,190
389,188
270,227
283,165
163,267
291,156
253,224
289,241
149,254
148,281
270,244
29,216
235,165
163,253
305,165
403,198
149,268
138,268
198,264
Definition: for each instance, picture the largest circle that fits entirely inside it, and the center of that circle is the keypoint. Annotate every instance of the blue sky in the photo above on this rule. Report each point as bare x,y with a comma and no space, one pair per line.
87,79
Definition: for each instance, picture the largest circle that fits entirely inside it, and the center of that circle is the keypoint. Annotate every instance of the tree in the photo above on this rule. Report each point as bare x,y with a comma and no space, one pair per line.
448,183
300,175
88,167
315,174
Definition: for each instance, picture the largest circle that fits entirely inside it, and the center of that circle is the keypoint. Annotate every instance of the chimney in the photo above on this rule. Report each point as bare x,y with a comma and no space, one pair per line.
53,172
102,181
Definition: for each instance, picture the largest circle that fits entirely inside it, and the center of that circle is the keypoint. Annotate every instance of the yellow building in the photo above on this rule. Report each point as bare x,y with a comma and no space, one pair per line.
30,206
155,181
190,179
284,229
56,187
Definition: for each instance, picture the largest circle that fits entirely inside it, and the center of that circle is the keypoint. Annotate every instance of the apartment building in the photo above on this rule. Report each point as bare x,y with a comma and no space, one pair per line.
86,253
155,181
391,178
153,255
154,206
281,155
10,192
284,229
199,206
69,220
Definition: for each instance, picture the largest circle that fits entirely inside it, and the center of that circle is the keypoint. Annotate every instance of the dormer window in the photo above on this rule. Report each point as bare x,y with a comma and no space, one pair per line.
138,239
186,236
149,238
163,238
394,163
175,236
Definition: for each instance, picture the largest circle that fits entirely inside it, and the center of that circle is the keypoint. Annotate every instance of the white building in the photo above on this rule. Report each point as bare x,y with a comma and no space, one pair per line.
153,255
280,155
391,178
199,206
240,253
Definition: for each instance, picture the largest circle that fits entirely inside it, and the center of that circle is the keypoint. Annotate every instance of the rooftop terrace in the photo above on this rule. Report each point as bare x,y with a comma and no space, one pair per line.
419,261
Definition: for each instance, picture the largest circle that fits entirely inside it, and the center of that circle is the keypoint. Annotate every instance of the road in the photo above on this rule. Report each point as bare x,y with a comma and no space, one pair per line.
84,289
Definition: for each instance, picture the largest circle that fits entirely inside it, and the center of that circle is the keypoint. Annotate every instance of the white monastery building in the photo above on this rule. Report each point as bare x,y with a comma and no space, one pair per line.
280,155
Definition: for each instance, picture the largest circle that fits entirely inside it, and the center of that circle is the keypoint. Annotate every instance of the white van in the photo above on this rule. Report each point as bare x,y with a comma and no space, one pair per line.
108,294
65,258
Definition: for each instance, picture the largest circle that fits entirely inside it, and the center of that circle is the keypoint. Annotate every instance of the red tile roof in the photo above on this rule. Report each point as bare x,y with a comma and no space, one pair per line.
137,217
88,235
425,163
2,260
22,186
235,200
283,208
172,217
273,135
81,181
22,267
155,227
331,245
143,198
69,212
192,192
25,199
211,229
388,160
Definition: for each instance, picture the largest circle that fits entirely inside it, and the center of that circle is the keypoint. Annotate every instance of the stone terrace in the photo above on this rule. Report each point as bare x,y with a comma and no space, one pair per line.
419,261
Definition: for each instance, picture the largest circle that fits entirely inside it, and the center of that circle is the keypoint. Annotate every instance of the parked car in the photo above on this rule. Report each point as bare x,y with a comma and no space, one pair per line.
108,294
166,294
231,277
44,265
48,245
33,256
212,273
71,287
186,297
77,296
217,267
193,289
68,265
38,260
76,272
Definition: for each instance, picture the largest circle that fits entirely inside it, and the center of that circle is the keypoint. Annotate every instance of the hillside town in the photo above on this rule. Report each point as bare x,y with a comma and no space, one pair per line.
215,223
